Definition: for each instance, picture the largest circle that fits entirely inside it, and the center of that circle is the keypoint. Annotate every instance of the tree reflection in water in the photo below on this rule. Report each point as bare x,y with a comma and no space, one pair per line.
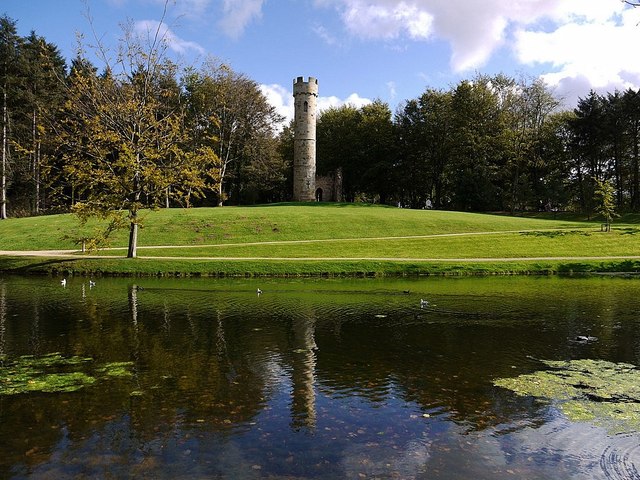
314,379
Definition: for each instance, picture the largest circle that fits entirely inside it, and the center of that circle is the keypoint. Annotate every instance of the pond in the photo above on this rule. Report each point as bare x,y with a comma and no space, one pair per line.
315,378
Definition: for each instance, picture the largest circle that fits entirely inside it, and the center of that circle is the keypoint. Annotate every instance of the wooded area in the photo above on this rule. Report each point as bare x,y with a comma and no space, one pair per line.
487,144
140,131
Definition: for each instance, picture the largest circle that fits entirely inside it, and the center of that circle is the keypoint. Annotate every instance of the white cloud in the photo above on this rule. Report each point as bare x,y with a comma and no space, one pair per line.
591,41
474,28
148,29
324,103
281,99
192,8
585,10
384,19
325,35
393,92
237,14
597,49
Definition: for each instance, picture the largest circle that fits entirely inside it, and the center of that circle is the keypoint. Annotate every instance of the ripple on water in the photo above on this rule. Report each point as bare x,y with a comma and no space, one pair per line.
621,459
581,450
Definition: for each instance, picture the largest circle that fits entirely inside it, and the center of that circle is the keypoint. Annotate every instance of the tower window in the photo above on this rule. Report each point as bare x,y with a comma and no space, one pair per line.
306,107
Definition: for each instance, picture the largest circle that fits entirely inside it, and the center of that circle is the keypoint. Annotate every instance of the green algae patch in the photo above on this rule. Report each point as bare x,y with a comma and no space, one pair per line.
55,383
53,373
33,374
604,393
117,369
50,360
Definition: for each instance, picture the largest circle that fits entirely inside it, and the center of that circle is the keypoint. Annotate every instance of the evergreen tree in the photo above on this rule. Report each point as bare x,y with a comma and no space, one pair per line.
9,81
43,95
631,116
589,148
424,132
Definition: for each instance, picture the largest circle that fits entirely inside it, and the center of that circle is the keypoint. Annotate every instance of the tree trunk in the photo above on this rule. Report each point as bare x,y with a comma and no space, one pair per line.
220,193
35,208
635,200
37,193
3,185
133,236
133,213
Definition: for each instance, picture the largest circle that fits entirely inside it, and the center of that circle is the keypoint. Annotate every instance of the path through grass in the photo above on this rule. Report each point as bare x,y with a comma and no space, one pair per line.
331,234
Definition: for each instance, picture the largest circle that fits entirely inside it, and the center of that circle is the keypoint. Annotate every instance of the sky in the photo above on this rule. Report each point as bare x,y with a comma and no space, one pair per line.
361,50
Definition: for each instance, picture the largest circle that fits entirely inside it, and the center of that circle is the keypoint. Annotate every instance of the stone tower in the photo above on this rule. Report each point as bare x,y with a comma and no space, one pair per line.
305,96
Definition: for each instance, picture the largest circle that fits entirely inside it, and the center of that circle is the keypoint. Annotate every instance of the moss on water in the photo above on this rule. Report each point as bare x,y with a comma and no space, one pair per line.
53,373
58,382
50,360
117,369
597,391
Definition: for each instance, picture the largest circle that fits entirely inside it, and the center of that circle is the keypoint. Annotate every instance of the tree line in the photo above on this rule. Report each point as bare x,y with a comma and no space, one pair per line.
141,131
488,144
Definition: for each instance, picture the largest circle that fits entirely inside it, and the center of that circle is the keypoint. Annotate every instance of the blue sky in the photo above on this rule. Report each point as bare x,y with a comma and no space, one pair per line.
361,50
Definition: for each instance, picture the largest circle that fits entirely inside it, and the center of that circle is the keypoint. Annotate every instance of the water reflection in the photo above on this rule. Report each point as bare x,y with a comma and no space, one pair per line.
303,405
311,379
3,317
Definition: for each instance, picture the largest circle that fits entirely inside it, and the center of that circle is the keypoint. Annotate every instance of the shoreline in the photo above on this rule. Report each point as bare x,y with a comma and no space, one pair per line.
73,265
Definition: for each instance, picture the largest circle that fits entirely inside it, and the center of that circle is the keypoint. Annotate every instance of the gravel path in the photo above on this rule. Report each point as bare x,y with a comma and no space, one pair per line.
76,254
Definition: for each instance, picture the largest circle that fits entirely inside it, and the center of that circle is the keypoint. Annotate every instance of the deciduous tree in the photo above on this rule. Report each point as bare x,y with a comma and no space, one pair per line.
229,115
605,201
124,133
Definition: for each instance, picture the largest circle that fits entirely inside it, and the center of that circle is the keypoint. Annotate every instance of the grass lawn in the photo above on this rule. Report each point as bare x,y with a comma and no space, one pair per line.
334,238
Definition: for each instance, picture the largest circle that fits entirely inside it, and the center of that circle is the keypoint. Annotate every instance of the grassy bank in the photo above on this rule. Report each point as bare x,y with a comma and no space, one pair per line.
284,222
249,268
330,239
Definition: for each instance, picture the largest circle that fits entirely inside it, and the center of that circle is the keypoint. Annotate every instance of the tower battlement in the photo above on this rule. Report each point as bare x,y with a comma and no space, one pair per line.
309,87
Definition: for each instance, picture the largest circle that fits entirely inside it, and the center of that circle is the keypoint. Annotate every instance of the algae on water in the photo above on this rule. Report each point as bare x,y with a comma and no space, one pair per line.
53,373
117,369
604,393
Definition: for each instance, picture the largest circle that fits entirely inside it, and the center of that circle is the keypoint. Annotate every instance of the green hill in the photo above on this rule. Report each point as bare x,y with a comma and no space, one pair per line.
314,239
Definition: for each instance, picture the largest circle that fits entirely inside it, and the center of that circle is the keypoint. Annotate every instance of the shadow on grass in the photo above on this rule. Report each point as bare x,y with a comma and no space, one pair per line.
555,234
320,205
628,218
622,267
23,265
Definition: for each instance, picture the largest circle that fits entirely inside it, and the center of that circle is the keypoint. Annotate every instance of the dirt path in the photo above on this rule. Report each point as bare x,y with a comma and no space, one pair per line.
77,254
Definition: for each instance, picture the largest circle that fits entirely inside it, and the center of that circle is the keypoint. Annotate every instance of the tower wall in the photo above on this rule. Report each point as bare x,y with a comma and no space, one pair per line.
304,144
